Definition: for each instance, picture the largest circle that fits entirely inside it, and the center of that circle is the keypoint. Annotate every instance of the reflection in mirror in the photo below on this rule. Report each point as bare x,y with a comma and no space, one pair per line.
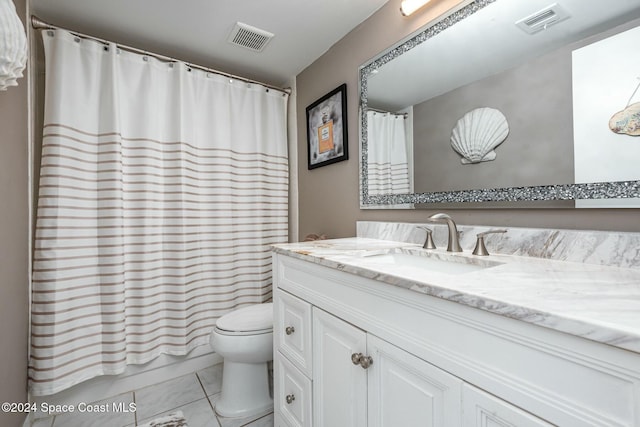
507,101
389,152
390,155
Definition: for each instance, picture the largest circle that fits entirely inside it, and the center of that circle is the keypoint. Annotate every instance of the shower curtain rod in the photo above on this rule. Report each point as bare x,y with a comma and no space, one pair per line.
375,110
39,24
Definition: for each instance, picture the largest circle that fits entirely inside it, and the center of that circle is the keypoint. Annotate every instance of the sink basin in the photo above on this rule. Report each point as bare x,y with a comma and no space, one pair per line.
434,262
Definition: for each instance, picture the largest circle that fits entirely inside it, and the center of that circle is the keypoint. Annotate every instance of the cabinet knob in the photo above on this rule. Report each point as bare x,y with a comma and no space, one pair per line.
362,360
356,357
290,398
366,361
289,330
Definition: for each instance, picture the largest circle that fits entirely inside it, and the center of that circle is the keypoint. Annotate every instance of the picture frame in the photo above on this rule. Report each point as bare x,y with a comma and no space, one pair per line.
327,140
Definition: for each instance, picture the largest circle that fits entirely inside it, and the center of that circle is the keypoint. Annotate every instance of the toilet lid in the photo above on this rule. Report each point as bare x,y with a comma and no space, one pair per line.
256,317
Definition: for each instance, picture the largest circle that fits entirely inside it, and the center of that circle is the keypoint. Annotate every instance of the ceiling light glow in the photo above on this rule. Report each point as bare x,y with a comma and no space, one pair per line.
407,7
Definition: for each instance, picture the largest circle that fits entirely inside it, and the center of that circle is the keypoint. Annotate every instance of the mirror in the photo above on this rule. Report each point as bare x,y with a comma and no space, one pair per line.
506,101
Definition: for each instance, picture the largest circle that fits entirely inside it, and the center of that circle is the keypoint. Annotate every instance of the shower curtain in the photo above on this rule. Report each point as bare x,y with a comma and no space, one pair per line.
162,188
388,167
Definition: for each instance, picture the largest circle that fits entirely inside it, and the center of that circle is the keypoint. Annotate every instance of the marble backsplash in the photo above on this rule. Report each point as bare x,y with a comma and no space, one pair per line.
621,249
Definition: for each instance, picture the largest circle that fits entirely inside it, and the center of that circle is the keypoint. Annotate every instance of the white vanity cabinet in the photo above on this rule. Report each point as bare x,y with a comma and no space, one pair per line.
359,380
432,362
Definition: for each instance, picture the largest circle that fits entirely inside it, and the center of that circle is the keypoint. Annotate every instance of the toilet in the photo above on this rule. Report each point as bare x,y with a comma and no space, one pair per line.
244,339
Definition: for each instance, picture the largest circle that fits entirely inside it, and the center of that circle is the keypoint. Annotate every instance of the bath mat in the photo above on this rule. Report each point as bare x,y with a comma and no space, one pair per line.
174,419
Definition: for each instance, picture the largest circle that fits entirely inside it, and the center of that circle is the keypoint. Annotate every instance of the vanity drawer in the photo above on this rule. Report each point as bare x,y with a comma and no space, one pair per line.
292,395
292,330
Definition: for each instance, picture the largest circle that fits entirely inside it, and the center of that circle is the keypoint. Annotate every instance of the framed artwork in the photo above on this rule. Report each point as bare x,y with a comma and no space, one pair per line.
327,129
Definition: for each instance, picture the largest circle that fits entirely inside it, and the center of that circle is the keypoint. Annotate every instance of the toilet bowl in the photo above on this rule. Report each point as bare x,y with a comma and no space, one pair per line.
244,339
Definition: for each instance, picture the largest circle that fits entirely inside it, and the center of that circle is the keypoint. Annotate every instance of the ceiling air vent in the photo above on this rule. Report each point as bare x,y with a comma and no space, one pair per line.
543,19
250,37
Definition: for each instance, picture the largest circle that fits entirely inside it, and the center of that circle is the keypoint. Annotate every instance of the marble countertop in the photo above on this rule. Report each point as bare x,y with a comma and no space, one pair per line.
600,303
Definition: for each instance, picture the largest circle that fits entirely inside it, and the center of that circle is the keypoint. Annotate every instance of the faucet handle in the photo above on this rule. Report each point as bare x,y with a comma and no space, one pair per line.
480,248
428,242
484,233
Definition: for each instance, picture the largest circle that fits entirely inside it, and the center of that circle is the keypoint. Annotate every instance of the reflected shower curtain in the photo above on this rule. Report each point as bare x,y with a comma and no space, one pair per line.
388,168
161,190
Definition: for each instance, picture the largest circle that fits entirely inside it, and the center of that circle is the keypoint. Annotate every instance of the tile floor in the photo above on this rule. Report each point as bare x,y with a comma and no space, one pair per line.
194,394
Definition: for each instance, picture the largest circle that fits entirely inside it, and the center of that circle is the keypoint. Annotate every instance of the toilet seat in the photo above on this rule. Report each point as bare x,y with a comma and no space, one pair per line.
242,333
252,320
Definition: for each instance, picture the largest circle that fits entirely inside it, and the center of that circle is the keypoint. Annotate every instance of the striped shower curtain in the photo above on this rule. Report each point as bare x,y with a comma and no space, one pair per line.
161,190
388,166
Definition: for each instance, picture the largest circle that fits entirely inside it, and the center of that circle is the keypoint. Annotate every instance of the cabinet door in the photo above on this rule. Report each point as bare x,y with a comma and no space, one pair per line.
407,391
339,386
482,409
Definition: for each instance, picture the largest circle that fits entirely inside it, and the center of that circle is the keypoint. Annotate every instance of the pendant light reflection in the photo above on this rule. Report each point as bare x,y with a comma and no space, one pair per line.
407,7
13,45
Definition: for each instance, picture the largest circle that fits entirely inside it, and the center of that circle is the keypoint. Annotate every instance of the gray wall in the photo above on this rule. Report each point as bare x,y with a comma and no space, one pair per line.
538,149
14,219
329,196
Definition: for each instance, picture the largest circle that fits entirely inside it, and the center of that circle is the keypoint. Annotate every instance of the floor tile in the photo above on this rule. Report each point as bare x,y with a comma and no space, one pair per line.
166,396
266,421
163,397
106,414
260,420
211,379
238,422
197,414
185,394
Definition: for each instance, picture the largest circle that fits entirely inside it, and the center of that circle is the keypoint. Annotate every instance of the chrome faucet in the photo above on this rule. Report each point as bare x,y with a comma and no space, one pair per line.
453,244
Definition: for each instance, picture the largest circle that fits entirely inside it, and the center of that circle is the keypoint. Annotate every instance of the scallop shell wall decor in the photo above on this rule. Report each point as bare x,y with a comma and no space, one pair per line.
478,133
627,121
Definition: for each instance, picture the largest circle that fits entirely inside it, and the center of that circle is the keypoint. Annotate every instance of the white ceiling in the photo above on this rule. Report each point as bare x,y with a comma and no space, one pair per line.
196,31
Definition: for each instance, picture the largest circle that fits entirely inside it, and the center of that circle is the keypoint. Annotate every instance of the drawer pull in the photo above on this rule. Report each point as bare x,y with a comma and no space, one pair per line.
289,330
290,398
